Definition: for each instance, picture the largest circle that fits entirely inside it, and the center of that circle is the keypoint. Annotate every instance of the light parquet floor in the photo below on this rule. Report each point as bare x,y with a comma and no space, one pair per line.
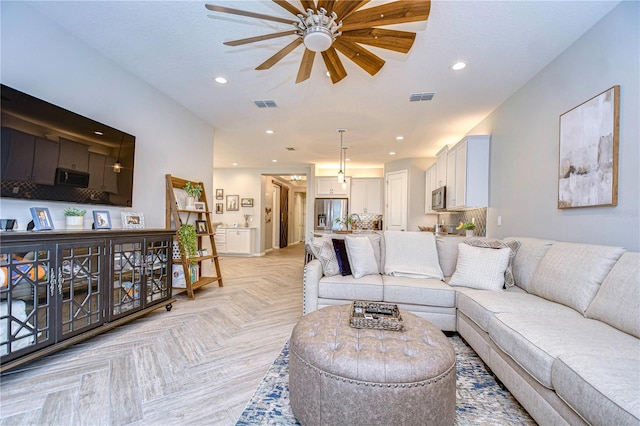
198,364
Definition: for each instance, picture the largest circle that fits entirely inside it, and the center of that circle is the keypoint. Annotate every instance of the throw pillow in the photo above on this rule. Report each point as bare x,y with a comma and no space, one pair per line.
323,251
361,256
342,257
497,244
480,268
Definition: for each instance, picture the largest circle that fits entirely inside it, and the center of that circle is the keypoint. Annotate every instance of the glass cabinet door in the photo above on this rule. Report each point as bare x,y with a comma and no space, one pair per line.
158,269
26,294
127,260
80,296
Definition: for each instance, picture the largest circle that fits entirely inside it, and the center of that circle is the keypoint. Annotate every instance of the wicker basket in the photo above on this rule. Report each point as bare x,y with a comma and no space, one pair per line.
375,315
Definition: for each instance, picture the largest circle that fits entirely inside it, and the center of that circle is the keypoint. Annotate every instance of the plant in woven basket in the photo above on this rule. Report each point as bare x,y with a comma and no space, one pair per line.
188,242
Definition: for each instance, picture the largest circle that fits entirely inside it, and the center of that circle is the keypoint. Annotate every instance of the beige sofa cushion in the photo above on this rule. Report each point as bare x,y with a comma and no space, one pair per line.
603,390
411,254
618,301
418,291
349,288
531,251
448,253
571,273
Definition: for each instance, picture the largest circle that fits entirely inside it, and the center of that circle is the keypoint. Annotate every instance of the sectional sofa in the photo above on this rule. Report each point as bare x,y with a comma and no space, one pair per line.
560,327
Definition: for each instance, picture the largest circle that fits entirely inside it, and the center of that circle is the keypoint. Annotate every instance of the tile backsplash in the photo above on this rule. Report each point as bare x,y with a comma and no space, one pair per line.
478,216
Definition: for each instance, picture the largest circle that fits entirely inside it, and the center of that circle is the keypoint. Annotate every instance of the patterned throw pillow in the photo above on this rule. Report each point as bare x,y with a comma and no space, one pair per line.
479,267
497,244
323,250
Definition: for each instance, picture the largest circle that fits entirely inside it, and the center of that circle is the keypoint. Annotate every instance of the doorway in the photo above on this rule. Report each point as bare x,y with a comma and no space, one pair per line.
396,203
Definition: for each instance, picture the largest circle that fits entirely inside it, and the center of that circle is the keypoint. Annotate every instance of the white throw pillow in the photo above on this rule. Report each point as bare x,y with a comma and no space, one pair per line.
361,256
481,268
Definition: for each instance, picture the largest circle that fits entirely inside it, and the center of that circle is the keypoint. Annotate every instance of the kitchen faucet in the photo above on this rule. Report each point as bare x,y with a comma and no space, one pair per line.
359,220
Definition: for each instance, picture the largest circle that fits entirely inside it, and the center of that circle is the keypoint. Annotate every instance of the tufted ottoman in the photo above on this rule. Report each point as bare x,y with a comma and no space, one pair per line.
343,375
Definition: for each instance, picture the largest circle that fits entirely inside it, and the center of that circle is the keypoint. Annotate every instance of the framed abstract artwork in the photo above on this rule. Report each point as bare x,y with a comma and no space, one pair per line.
588,159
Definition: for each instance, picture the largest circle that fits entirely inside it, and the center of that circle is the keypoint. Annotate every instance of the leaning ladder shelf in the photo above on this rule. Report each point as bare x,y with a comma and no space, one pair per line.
173,218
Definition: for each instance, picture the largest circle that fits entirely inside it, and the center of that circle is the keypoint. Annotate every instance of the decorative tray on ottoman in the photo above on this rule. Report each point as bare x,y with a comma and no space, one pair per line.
381,316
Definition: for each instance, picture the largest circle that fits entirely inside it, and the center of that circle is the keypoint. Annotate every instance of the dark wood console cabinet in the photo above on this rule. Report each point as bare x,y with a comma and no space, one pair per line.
61,287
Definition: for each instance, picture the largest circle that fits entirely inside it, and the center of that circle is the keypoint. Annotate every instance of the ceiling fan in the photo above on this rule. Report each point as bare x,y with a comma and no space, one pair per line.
340,25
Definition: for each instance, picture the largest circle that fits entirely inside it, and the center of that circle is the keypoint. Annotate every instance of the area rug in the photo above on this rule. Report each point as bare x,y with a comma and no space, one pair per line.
479,398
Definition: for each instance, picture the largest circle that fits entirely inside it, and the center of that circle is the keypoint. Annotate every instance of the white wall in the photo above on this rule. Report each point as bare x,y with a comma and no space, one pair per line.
524,141
43,60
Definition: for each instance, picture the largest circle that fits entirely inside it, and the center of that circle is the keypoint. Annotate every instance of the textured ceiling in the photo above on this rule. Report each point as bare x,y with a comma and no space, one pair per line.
177,48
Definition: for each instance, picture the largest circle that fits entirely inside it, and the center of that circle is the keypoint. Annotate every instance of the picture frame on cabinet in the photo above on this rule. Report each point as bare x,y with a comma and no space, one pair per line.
219,208
41,219
199,205
131,220
101,219
588,160
233,203
246,202
220,194
201,227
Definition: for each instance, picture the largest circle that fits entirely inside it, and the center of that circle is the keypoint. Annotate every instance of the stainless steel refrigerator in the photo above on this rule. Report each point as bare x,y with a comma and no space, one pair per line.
327,210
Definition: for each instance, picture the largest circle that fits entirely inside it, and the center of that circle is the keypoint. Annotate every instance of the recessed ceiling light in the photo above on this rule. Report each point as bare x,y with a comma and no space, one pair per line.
274,161
269,132
234,164
221,80
392,153
347,159
399,138
98,132
458,66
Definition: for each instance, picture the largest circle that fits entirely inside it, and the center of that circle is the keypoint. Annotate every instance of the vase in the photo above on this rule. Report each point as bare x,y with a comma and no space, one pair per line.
190,202
469,232
75,222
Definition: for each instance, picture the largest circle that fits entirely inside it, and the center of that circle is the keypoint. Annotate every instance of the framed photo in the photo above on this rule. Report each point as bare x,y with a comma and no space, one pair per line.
41,219
201,227
199,205
219,208
588,160
131,220
246,202
233,203
219,194
101,219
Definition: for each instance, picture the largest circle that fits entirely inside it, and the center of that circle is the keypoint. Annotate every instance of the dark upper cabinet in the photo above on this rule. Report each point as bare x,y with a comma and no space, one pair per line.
101,174
73,156
20,149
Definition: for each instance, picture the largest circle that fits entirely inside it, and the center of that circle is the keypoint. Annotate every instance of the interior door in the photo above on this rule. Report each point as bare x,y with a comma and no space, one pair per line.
284,216
396,207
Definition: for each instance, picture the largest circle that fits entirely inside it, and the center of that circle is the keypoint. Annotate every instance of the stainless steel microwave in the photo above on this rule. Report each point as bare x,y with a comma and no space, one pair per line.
438,198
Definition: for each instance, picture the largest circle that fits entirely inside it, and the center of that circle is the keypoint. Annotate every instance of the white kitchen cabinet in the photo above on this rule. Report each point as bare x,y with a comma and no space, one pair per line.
468,173
237,241
431,183
366,196
441,167
328,187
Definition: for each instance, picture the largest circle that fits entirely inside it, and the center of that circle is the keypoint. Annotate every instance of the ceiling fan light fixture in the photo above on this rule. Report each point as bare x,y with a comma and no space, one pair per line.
318,31
317,38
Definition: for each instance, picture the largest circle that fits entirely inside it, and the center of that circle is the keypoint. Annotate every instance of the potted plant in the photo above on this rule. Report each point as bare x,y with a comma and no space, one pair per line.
193,191
469,227
188,242
74,217
345,223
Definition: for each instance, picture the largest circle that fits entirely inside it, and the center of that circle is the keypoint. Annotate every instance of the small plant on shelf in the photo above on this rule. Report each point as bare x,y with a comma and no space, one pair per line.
469,226
188,243
346,221
74,211
193,190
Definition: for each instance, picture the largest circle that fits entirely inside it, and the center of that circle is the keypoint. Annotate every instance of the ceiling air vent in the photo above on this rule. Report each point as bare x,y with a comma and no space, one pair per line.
290,148
269,103
426,96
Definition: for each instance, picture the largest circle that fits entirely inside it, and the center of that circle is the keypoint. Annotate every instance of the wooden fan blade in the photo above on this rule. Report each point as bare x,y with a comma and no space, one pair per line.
288,6
398,41
361,56
308,4
398,12
223,9
259,38
305,66
334,65
281,54
345,8
327,4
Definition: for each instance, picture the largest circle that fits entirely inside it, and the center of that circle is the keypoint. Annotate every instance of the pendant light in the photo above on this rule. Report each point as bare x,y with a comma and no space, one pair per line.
117,166
341,173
